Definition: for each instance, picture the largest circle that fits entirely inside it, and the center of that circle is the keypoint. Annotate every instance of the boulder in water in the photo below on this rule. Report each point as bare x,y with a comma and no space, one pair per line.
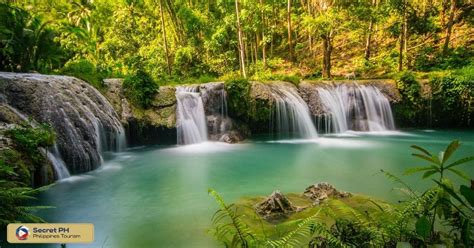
321,191
275,206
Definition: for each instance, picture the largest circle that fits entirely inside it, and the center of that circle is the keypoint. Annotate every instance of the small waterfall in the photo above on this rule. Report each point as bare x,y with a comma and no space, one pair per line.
214,98
190,116
355,107
291,116
58,164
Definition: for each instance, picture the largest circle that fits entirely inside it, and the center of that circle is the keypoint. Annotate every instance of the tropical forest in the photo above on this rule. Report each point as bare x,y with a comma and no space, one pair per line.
237,123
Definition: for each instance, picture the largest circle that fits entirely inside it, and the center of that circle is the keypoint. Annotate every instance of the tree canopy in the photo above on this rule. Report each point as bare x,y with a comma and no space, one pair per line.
175,40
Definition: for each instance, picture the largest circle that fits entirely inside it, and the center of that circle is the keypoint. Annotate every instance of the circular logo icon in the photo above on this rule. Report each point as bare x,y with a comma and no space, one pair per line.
22,233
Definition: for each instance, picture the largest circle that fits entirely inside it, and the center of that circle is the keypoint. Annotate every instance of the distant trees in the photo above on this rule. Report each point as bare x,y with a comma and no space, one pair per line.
173,40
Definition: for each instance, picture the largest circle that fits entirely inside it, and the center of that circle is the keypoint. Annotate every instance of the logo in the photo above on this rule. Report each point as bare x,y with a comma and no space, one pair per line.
22,233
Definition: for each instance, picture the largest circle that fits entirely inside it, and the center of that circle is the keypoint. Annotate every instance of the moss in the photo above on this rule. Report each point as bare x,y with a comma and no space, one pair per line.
359,203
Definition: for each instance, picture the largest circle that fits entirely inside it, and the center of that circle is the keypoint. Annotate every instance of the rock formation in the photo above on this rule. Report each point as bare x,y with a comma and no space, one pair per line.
275,206
321,191
84,121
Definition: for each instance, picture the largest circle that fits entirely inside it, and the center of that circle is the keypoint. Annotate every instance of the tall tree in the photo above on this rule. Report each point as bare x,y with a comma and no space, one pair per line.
290,45
449,26
163,31
263,41
241,42
368,42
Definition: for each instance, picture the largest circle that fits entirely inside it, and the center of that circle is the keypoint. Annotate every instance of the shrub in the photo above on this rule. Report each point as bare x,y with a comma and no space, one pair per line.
28,139
431,58
452,95
85,70
410,110
238,91
140,88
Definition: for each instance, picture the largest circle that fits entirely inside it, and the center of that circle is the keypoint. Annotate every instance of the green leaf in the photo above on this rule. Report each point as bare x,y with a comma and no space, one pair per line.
459,173
450,191
421,149
429,173
413,170
432,159
460,161
452,147
423,227
468,194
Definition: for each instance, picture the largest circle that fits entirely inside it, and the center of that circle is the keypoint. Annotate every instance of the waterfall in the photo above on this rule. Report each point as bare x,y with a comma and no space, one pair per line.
291,116
85,123
58,164
355,107
214,98
191,119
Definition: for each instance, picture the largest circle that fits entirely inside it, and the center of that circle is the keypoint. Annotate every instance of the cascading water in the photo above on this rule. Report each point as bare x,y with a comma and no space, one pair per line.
59,166
355,107
291,115
85,122
214,98
191,119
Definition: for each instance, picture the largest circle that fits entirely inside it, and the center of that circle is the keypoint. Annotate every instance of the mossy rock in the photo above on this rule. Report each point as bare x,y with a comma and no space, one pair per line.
363,205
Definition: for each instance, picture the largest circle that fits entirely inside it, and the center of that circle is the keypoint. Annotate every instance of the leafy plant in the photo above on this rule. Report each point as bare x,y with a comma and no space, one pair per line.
443,205
228,225
238,91
85,70
140,88
29,139
14,197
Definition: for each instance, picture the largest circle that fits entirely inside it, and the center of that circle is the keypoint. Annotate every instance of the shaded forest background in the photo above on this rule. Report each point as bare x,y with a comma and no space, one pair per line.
201,40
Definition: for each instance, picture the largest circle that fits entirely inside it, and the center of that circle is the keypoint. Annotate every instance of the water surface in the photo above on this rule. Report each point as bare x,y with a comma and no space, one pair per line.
157,196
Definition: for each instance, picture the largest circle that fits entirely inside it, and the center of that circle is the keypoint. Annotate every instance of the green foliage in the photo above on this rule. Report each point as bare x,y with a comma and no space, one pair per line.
410,110
228,225
451,98
15,174
140,89
85,70
28,139
431,59
26,41
238,97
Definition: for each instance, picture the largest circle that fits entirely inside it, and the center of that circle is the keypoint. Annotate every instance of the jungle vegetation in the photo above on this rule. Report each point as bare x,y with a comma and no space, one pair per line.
200,40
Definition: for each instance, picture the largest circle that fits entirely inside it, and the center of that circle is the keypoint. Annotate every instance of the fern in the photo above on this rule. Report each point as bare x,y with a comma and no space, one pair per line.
306,233
228,226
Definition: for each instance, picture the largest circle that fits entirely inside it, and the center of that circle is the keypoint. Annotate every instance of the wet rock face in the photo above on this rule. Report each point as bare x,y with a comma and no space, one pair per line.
155,125
310,95
321,191
84,121
275,206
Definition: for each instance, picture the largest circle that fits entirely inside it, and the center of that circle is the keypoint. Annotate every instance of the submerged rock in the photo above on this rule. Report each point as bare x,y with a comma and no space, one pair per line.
275,206
321,191
84,121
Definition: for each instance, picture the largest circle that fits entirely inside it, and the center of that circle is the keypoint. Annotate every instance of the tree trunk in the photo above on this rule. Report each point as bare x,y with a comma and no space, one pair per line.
290,45
402,39
368,42
400,51
449,27
241,42
406,37
327,49
164,38
262,5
